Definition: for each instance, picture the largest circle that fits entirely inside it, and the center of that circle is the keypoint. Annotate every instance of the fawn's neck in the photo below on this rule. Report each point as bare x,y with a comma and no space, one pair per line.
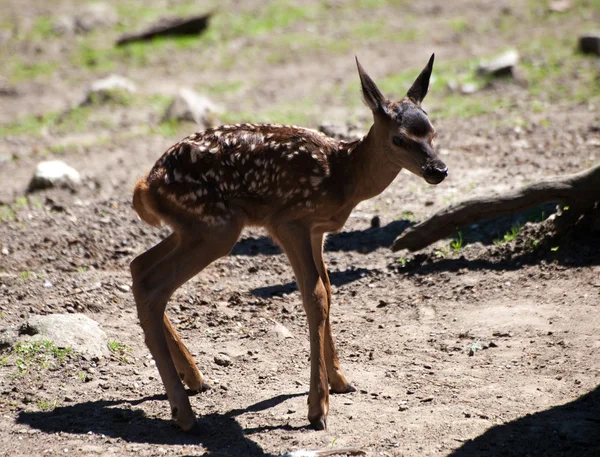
371,171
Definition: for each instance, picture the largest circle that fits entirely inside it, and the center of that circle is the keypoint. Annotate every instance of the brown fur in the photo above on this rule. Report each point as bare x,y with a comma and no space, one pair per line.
295,182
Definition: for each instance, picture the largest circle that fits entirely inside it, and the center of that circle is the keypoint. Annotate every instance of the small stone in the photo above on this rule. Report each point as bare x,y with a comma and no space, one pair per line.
191,106
589,43
222,360
123,287
110,88
47,284
469,88
94,16
5,251
502,65
346,132
54,173
375,222
402,408
560,6
282,331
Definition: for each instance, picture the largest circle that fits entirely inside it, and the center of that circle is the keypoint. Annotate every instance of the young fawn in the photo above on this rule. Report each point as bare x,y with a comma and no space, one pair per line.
297,183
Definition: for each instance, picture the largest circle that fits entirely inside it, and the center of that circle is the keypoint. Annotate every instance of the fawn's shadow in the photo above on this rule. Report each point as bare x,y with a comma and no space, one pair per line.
569,430
222,434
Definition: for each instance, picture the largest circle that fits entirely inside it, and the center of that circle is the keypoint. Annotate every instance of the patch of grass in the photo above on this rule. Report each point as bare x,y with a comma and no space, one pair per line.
18,70
47,405
116,347
38,354
509,236
457,244
25,275
7,214
72,120
459,24
407,215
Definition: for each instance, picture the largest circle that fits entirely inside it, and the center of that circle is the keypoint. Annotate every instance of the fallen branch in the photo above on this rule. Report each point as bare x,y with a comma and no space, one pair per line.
168,27
580,191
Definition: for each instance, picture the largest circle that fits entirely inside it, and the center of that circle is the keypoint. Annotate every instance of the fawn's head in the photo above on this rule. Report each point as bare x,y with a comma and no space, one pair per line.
402,129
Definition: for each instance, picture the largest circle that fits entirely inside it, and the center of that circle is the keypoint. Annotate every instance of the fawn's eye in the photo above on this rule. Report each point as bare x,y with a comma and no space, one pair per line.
399,141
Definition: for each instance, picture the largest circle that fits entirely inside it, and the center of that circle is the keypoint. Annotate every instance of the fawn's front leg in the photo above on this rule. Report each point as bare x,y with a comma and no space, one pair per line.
296,242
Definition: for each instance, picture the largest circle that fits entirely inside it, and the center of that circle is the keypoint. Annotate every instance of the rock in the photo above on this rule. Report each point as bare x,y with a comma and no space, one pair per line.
64,25
282,331
191,106
347,132
8,337
560,6
375,222
222,360
502,65
589,43
469,88
54,173
95,16
77,331
111,88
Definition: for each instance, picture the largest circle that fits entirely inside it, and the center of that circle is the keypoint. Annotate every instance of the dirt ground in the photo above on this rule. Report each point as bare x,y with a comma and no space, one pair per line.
481,349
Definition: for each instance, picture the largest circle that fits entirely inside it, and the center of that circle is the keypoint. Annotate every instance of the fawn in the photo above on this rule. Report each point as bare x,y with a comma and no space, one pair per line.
297,183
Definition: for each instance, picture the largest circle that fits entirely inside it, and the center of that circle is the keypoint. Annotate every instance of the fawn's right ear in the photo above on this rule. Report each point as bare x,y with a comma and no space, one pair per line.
372,96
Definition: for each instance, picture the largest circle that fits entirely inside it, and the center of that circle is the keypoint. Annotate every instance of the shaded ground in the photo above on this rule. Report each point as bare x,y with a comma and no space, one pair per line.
471,350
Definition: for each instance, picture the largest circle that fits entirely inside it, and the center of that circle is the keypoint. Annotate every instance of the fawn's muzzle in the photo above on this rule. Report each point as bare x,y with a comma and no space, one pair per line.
435,172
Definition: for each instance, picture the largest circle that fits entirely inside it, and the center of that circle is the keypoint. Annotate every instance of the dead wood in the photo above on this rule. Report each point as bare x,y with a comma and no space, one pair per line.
168,27
580,191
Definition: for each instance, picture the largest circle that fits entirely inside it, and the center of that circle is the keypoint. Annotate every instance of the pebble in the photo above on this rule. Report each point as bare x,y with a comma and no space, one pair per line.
123,287
222,360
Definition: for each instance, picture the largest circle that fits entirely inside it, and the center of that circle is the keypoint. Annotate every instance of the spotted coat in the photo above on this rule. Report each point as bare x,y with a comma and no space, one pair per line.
270,163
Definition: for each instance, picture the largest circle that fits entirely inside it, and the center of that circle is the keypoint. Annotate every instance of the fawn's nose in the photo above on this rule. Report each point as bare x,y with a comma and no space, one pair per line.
435,173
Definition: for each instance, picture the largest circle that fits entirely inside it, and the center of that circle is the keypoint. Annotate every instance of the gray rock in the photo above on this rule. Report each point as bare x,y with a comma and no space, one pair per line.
192,106
77,331
282,331
469,88
590,43
8,337
54,173
64,25
109,88
346,132
223,360
95,16
502,65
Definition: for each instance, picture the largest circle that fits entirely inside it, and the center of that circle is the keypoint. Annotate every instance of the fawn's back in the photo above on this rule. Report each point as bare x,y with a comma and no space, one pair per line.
262,169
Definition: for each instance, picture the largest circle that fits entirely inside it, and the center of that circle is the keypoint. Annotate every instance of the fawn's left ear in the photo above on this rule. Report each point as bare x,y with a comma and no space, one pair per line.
372,96
420,87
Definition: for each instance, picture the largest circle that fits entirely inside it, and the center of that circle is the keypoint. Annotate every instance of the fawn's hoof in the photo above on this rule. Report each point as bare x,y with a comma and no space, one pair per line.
318,424
195,430
348,388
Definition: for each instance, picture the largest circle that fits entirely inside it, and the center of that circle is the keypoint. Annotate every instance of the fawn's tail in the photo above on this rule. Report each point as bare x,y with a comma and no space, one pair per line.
142,203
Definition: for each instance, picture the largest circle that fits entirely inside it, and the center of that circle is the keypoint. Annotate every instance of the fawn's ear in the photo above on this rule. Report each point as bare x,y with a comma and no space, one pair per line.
372,96
420,87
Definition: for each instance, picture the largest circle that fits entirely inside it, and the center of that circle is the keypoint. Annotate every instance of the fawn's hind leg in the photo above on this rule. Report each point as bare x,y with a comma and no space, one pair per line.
183,360
152,288
337,380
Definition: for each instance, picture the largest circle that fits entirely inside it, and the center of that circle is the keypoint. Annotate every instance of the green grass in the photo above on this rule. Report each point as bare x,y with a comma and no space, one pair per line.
38,354
7,214
457,244
72,120
116,347
509,236
47,405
